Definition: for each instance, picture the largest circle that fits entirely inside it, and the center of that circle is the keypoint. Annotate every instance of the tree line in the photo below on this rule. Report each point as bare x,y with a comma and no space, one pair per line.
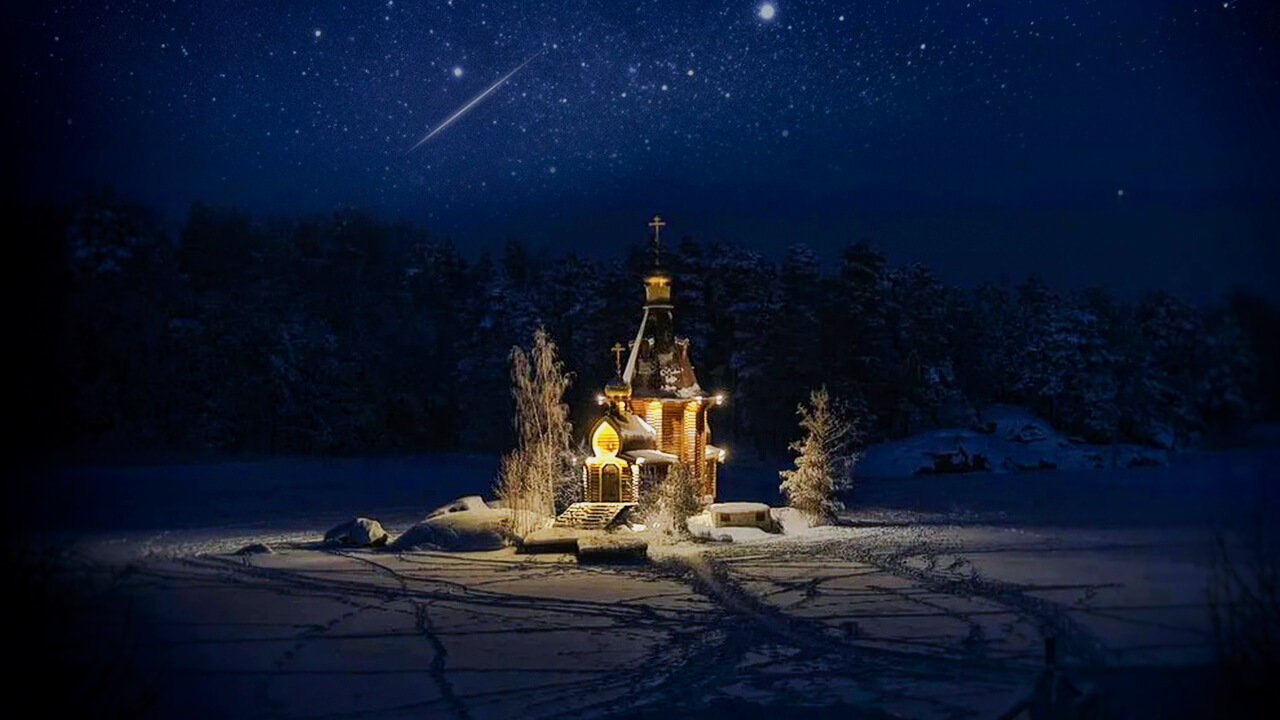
347,334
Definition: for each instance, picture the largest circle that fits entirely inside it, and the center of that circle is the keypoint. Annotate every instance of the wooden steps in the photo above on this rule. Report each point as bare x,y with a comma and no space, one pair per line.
591,516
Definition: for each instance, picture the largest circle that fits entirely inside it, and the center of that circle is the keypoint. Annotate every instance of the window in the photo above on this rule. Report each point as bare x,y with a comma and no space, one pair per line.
606,441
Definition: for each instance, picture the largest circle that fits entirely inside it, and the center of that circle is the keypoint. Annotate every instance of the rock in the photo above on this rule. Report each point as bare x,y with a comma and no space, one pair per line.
459,526
550,540
255,549
958,460
614,549
358,532
462,504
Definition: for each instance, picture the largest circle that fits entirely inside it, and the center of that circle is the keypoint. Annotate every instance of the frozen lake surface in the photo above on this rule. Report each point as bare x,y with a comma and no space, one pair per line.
931,601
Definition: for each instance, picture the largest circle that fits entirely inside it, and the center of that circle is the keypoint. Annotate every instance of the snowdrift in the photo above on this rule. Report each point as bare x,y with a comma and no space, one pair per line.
1009,440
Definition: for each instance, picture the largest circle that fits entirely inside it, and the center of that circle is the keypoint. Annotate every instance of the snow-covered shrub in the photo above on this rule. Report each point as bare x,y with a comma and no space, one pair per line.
677,501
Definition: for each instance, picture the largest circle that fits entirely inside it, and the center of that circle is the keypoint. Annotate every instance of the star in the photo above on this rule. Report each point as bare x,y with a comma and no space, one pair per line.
767,11
457,71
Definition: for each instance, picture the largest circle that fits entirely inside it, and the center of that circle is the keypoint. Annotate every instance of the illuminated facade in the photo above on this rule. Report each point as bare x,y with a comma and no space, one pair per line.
655,413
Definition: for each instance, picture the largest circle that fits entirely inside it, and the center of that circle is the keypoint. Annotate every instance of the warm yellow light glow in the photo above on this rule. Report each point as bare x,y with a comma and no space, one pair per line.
657,288
719,398
605,441
653,416
690,442
639,461
723,452
599,399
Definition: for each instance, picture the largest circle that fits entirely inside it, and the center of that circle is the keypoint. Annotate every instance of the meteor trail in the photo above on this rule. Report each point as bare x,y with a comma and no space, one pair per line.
471,103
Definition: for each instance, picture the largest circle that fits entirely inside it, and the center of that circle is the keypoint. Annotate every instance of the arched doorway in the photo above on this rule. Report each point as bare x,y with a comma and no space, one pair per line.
610,484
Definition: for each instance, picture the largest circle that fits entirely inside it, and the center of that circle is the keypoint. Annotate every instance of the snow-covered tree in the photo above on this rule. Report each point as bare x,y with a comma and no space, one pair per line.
744,291
500,315
540,471
677,500
825,458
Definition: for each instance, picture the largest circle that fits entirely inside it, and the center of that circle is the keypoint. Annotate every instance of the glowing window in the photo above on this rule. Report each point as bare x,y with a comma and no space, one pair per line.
605,441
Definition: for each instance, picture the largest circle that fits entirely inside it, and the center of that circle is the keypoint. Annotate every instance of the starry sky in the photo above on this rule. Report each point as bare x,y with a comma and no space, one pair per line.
1129,143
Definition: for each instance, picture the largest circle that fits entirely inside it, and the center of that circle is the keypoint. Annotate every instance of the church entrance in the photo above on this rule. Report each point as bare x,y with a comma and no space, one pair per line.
610,484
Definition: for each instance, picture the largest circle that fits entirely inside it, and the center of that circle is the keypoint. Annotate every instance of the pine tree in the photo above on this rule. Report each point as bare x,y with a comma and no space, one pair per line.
861,364
824,459
540,471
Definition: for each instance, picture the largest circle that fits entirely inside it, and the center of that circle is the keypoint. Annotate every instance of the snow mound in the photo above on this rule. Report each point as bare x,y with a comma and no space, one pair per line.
736,508
357,532
612,548
255,549
466,524
550,540
1009,440
703,526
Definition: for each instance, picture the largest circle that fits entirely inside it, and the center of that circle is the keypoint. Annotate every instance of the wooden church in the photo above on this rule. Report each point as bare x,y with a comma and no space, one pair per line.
655,415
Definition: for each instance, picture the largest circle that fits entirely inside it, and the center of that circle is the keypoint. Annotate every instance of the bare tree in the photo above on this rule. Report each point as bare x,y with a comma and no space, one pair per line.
824,458
540,469
1244,602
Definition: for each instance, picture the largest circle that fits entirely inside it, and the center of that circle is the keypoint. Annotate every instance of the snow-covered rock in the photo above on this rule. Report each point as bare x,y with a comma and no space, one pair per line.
467,523
469,502
1016,425
1008,440
255,549
358,532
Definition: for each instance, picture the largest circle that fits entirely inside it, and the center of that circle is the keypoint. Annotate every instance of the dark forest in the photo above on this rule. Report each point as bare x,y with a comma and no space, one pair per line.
347,334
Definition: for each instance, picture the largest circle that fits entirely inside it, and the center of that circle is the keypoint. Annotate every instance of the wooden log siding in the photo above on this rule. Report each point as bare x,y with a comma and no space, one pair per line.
593,484
628,483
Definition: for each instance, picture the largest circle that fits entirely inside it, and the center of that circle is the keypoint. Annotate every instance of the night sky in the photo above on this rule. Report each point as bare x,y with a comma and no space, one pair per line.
1127,143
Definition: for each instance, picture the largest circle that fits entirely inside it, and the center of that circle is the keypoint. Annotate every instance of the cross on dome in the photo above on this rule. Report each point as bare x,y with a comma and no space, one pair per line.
617,357
657,223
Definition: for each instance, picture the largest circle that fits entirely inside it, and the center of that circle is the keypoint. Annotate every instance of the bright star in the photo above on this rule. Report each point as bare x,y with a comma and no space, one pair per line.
767,11
317,33
457,71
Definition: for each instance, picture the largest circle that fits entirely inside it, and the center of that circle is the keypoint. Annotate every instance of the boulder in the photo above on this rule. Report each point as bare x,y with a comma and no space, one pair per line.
357,532
466,524
462,504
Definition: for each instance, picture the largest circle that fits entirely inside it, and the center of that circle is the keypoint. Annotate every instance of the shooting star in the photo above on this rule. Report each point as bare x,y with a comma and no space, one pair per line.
471,103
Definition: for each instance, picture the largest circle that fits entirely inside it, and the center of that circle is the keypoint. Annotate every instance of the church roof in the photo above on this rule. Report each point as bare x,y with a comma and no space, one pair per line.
656,457
664,374
633,432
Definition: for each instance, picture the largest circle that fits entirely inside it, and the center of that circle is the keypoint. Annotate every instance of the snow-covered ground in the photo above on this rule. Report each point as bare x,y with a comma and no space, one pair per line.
930,601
